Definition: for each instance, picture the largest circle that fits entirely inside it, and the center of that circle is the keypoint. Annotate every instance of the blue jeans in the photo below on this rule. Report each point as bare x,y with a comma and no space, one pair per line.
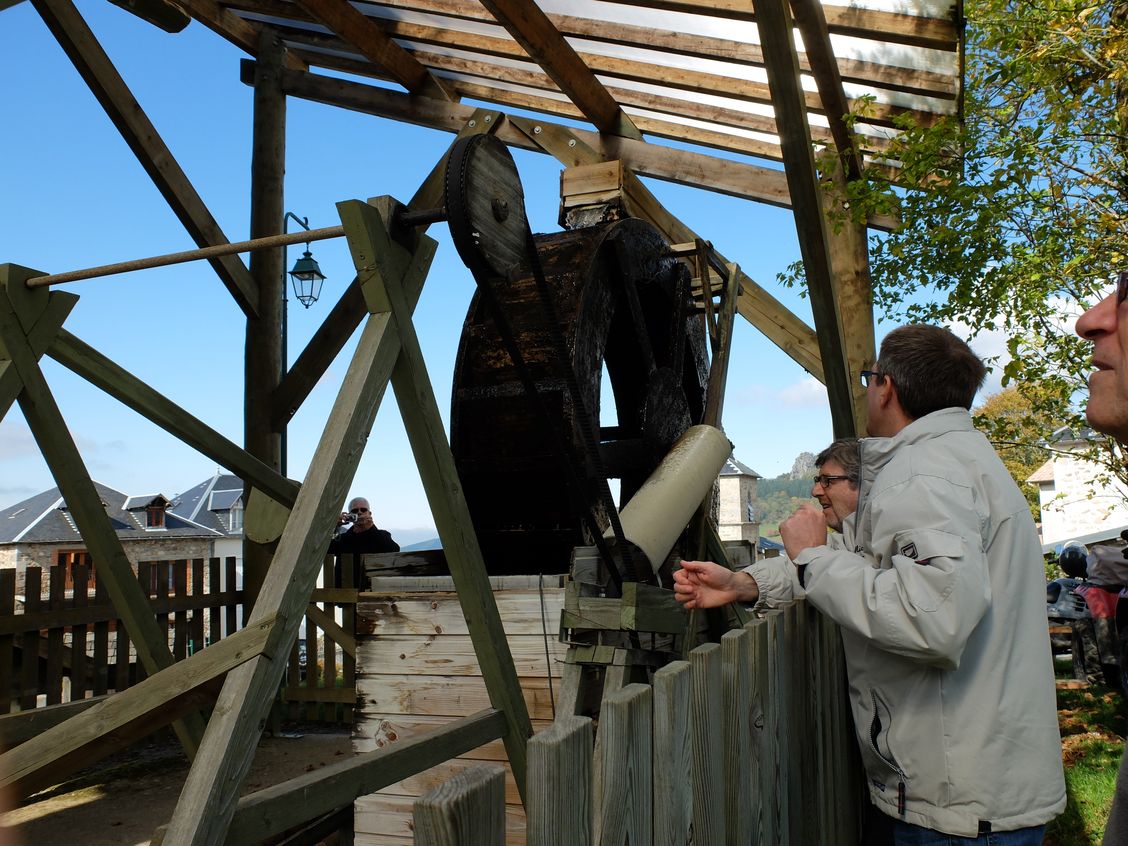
906,834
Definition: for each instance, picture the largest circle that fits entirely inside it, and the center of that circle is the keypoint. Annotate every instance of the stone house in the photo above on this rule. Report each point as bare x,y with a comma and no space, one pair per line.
737,519
1075,503
41,531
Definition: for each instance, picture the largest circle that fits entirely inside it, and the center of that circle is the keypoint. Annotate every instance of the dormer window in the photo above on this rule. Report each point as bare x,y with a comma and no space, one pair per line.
155,517
237,516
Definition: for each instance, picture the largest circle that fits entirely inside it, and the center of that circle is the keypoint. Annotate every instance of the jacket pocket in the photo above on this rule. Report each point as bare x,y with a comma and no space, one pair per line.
929,574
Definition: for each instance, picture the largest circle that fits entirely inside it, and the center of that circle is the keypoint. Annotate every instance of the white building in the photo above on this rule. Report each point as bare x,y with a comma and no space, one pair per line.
737,519
1075,503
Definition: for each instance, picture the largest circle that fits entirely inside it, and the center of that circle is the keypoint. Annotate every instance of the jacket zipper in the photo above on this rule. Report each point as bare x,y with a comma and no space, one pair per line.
875,730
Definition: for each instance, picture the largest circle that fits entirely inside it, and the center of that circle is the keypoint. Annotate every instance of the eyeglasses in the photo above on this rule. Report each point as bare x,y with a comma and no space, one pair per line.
1121,287
358,511
825,481
866,375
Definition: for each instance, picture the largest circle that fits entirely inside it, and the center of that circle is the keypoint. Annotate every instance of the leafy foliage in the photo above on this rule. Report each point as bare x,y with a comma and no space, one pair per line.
1029,215
1018,435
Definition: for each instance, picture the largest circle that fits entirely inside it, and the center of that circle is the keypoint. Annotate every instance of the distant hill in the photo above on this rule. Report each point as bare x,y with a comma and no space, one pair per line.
433,543
423,538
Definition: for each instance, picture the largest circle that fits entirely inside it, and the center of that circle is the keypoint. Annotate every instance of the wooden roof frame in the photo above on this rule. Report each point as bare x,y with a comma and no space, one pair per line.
542,71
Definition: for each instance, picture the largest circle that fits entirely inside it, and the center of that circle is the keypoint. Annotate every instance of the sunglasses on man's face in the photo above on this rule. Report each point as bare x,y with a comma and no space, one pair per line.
359,511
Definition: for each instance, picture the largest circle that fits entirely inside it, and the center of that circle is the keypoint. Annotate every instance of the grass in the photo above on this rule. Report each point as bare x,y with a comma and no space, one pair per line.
1093,723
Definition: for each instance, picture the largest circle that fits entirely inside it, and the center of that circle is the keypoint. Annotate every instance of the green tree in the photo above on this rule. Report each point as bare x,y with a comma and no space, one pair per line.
1015,218
1019,436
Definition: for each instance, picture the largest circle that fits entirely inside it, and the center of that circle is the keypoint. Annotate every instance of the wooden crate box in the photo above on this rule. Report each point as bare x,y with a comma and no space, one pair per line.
416,670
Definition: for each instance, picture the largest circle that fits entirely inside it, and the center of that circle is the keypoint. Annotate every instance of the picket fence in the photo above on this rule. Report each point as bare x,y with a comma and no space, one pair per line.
750,741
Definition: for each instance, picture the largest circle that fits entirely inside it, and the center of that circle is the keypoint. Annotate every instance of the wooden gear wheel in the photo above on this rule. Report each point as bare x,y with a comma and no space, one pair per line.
622,305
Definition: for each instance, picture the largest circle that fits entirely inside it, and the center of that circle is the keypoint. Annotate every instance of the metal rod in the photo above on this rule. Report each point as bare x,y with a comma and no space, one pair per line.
188,255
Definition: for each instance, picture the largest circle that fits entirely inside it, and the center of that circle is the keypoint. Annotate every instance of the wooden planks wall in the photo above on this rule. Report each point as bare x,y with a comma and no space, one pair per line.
416,669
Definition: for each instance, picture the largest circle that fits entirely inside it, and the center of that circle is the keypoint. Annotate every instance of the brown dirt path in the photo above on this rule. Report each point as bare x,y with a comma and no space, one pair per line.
123,801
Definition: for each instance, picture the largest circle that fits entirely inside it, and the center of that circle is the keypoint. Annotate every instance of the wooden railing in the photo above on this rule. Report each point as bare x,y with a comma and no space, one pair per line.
749,741
61,639
320,681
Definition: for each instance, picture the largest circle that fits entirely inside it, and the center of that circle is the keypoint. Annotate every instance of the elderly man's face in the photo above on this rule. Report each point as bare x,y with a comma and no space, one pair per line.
838,497
359,508
1106,326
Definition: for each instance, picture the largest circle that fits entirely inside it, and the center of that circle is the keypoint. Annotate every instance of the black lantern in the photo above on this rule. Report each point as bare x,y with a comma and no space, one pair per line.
307,277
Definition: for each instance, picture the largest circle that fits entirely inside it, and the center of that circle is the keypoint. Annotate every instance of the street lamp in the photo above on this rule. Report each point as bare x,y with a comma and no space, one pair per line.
307,278
306,275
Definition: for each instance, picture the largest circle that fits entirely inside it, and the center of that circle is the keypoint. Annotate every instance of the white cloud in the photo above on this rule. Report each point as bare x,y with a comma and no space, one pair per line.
808,392
16,441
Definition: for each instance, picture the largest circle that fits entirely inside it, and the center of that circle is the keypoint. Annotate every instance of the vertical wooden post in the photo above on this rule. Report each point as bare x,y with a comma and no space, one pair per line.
707,733
466,810
264,353
627,728
558,804
762,826
736,649
673,786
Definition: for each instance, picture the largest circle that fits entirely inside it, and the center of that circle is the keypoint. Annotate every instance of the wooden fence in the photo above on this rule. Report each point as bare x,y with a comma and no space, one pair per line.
320,683
61,639
748,742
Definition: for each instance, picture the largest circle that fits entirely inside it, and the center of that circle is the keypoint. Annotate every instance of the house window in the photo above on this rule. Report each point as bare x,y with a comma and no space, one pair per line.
155,517
237,517
69,559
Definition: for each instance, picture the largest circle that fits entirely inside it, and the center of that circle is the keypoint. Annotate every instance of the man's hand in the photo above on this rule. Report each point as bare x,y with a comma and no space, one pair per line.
343,519
703,584
806,527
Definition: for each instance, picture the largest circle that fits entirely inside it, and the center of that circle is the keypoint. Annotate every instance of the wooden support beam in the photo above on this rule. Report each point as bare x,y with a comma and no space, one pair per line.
207,802
891,27
244,34
532,29
367,36
682,167
811,19
18,726
136,712
913,81
755,304
99,73
40,337
774,22
47,424
346,315
372,247
325,51
166,16
264,359
87,362
278,808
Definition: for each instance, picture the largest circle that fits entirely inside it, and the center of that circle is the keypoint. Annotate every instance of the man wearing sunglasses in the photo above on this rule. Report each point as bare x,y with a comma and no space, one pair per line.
940,598
1107,411
362,537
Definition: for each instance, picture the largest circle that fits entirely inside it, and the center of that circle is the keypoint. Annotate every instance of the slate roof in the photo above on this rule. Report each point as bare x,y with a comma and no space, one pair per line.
732,467
44,518
209,503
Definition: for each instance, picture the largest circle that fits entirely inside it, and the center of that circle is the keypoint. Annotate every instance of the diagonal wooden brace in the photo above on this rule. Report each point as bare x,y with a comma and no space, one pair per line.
51,433
207,802
132,714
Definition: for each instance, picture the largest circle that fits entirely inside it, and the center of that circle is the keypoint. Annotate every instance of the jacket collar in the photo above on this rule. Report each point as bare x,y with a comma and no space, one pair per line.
875,453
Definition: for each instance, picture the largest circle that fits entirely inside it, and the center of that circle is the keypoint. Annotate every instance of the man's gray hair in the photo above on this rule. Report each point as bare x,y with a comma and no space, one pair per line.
846,453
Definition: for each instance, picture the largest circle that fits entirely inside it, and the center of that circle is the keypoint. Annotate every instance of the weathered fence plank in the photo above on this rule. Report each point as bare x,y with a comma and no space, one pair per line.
762,822
736,648
559,808
627,729
468,810
707,733
673,757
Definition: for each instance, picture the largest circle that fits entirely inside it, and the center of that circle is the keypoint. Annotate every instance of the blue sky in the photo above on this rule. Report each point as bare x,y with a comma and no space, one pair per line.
74,196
